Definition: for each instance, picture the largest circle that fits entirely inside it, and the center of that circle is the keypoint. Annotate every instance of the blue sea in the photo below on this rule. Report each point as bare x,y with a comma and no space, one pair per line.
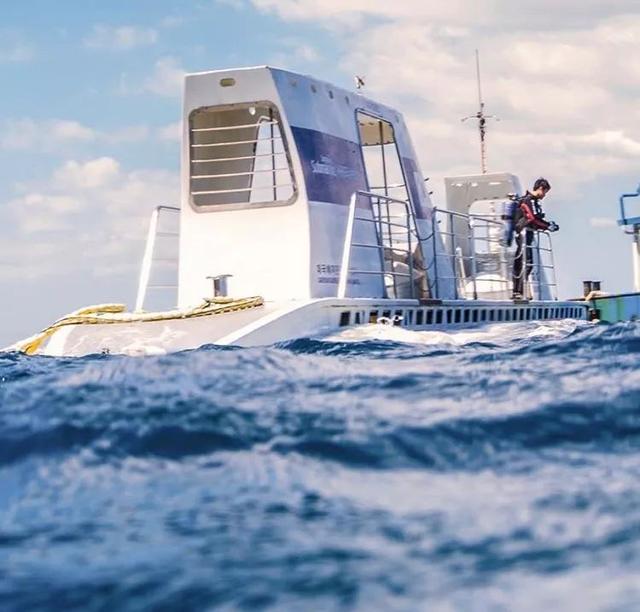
379,469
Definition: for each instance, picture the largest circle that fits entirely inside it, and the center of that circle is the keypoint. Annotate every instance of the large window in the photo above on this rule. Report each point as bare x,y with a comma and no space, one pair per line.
239,157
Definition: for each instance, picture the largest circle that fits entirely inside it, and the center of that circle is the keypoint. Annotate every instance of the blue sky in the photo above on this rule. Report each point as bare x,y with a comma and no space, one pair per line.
90,104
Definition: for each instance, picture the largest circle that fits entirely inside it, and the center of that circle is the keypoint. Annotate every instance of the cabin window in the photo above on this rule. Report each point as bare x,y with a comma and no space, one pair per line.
357,318
381,157
429,317
438,317
449,317
466,315
239,157
457,316
491,315
419,316
474,317
373,316
410,317
345,318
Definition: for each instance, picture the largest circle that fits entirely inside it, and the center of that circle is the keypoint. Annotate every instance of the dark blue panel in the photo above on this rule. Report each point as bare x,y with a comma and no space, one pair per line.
332,166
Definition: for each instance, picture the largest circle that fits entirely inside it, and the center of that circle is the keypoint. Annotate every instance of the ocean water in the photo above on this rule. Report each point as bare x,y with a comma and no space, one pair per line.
378,469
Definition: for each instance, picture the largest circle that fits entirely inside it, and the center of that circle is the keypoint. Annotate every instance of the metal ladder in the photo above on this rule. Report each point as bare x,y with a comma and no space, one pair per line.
151,257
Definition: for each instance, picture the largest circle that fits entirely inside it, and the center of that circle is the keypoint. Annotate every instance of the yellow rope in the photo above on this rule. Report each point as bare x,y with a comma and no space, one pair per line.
105,314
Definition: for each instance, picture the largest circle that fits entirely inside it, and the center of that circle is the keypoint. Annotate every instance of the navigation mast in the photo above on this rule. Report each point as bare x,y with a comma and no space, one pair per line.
481,118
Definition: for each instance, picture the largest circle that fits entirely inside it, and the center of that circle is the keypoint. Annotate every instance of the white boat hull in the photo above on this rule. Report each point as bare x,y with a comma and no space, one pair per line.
280,321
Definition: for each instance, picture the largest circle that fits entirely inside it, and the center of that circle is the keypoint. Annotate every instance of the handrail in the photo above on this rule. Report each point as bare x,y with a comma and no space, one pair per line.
234,127
623,217
147,259
382,248
237,142
462,234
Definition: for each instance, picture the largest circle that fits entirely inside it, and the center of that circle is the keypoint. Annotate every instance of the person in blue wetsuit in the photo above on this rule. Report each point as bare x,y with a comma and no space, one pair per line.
528,218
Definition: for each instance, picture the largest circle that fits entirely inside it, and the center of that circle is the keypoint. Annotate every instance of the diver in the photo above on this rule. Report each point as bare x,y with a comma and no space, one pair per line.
528,218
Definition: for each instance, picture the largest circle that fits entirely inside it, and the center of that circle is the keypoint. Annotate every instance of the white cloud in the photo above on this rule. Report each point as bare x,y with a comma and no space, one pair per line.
120,38
75,175
89,215
47,135
614,141
171,132
129,134
600,222
167,78
495,14
14,49
39,212
566,92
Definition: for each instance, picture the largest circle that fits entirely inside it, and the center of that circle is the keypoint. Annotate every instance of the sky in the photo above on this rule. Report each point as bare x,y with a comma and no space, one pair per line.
90,105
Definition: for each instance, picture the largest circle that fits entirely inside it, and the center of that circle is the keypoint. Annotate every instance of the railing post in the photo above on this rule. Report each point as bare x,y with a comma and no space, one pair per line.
452,236
145,270
410,253
472,253
539,265
434,222
346,249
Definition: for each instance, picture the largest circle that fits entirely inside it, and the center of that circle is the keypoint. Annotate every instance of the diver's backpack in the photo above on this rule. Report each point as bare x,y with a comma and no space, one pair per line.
509,216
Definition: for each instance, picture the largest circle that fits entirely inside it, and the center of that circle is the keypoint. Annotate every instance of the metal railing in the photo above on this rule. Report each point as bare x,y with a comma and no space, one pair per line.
624,220
393,232
466,250
223,185
544,266
150,256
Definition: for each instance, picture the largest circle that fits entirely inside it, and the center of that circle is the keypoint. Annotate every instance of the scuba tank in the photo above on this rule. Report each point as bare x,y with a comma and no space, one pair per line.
508,216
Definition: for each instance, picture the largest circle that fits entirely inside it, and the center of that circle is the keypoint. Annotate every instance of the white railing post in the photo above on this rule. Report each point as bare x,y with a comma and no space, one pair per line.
346,249
146,261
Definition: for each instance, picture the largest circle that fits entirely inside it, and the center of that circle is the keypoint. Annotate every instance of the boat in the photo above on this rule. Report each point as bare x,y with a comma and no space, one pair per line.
615,308
303,211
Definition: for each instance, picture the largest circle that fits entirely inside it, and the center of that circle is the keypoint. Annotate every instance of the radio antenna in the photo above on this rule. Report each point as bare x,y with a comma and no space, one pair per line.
481,118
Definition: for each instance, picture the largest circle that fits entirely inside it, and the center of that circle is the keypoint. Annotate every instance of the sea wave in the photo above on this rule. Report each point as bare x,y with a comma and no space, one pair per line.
333,472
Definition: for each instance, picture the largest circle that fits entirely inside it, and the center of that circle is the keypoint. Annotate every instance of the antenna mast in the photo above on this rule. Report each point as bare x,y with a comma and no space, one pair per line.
481,118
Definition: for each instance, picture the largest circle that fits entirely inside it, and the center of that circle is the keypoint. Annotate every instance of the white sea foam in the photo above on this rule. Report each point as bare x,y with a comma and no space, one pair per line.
498,333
